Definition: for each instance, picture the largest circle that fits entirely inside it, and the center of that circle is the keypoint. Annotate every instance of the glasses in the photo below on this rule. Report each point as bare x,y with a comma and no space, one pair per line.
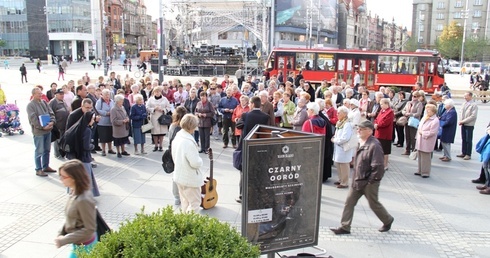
361,129
212,88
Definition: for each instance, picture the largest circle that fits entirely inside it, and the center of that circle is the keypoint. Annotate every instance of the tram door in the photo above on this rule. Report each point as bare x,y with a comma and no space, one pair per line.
345,71
367,71
427,70
285,63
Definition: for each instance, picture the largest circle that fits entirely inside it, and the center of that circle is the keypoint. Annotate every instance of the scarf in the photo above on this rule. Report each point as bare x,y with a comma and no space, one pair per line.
341,123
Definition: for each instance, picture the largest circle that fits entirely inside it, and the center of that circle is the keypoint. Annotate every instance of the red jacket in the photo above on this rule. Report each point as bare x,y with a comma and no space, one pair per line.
384,120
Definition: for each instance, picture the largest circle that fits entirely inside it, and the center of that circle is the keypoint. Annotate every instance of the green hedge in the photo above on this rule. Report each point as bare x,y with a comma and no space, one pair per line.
168,234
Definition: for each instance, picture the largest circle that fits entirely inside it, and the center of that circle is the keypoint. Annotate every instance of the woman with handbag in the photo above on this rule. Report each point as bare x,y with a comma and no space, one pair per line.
448,123
104,126
401,120
342,157
138,116
157,105
413,110
120,126
237,115
205,112
426,138
80,224
383,125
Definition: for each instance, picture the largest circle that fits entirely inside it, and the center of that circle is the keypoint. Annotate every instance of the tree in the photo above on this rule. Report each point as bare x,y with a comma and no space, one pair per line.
3,43
411,45
449,43
474,48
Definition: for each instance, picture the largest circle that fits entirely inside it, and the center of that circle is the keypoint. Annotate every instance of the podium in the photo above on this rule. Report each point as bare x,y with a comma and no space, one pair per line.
282,181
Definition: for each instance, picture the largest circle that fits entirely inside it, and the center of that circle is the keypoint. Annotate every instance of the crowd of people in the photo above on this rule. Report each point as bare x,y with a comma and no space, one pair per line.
117,112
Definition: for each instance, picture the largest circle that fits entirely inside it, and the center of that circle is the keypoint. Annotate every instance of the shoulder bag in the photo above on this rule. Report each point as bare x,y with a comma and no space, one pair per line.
352,143
402,121
146,127
165,119
413,122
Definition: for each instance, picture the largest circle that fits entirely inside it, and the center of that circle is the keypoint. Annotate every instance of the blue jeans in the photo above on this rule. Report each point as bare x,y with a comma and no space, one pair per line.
467,137
42,145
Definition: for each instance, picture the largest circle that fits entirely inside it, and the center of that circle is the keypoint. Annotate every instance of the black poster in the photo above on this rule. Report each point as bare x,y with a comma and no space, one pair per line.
282,192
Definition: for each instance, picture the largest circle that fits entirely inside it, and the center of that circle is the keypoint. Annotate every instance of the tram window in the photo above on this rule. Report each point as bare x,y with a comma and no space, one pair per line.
406,65
387,64
325,62
304,61
271,64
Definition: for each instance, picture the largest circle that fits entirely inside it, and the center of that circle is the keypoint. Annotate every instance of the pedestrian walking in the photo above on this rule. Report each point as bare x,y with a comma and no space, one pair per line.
23,73
61,73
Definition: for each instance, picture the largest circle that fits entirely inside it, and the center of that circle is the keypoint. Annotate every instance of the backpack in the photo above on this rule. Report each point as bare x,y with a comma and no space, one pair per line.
68,140
167,160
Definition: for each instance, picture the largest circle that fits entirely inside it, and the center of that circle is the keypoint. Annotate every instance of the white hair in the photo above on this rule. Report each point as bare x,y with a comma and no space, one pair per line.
118,98
343,110
263,93
313,106
321,103
106,92
449,102
137,97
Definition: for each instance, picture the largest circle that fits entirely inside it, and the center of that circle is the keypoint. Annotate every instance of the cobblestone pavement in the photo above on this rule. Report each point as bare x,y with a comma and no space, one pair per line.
442,216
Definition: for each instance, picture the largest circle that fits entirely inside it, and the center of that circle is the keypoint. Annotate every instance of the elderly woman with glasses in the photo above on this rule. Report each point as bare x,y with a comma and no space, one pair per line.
426,138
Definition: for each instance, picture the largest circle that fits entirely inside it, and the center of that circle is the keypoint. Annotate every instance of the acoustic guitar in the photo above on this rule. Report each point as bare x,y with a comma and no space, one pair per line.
209,196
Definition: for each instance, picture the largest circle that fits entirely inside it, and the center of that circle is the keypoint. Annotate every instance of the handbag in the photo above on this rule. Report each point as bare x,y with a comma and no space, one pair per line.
214,120
413,122
102,227
237,159
402,121
165,119
146,127
413,155
352,143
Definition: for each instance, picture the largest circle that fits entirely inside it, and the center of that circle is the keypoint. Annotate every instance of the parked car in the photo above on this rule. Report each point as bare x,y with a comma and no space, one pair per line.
471,67
453,67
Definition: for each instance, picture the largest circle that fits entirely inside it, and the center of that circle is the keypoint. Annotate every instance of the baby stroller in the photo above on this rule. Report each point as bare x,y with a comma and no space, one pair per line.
9,120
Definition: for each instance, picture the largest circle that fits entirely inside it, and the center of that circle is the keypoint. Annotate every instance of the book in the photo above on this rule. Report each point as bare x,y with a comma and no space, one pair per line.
44,120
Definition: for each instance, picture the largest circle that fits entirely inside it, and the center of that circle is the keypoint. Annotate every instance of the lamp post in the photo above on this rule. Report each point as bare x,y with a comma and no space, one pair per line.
464,13
162,45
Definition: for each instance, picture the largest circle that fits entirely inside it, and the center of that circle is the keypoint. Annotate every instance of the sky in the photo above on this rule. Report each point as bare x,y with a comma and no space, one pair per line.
401,10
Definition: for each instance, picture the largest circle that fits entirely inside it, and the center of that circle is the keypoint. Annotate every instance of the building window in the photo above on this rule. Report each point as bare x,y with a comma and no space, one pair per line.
440,16
457,15
477,13
440,27
422,7
421,27
458,4
440,5
478,2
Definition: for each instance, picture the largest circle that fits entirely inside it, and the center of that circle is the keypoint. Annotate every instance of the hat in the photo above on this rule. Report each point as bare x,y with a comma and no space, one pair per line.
366,124
59,91
354,102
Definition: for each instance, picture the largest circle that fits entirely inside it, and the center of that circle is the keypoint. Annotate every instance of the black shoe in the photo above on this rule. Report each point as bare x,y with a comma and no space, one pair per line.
425,176
417,174
477,181
97,149
111,152
340,231
160,149
386,227
119,155
201,151
125,153
155,149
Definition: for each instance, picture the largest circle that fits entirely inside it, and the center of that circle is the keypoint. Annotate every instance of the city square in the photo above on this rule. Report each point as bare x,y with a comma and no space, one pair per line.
443,216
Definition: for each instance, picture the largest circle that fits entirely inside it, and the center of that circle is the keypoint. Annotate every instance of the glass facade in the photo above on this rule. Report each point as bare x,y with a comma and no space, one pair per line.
13,27
69,16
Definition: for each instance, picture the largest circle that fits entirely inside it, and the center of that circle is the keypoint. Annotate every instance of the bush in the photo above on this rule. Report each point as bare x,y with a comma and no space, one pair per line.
167,234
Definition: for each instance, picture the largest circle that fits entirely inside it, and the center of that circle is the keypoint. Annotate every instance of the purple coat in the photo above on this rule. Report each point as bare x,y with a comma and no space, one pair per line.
427,134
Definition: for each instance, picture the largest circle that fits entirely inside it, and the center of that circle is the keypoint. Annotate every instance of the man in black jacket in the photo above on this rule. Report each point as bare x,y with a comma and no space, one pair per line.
250,119
82,92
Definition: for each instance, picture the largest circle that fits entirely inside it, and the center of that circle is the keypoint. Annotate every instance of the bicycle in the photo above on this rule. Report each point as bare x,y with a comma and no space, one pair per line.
140,72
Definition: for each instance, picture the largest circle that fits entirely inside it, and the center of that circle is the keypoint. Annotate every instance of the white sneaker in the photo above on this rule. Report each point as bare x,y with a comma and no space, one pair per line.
136,153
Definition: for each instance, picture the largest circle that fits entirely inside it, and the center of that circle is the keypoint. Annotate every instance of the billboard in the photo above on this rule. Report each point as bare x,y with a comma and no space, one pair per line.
293,13
282,191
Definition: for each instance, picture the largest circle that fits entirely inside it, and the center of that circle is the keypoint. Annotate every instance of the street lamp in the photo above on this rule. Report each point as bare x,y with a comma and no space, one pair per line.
464,15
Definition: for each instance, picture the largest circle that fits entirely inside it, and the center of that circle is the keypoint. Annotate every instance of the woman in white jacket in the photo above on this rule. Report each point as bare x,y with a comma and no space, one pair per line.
158,105
187,173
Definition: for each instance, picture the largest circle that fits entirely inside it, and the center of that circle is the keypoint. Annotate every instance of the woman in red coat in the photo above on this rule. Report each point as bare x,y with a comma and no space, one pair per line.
237,114
383,125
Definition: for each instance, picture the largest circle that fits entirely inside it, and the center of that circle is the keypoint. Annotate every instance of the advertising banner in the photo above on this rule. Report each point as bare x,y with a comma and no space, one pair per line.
282,191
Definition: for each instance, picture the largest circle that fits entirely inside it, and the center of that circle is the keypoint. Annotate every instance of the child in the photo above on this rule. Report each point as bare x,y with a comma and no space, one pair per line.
3,119
14,119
